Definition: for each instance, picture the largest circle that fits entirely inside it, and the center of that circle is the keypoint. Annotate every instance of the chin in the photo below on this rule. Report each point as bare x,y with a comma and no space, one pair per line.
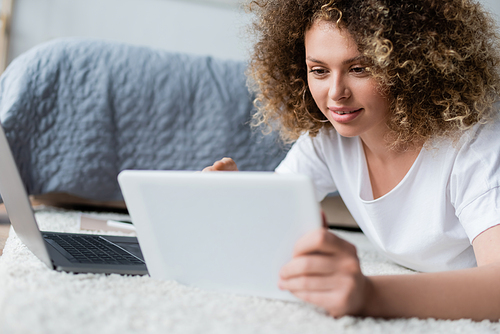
348,133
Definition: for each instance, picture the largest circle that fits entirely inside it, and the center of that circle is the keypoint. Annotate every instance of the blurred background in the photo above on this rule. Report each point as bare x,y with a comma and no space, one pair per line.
204,27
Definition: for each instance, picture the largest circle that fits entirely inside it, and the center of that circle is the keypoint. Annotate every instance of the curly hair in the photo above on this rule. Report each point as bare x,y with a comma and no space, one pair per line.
438,61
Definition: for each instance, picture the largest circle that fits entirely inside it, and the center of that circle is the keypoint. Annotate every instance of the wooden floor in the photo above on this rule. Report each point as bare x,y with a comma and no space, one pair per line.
334,208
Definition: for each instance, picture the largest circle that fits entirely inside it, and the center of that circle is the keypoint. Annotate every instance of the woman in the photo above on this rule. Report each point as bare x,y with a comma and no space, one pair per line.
392,103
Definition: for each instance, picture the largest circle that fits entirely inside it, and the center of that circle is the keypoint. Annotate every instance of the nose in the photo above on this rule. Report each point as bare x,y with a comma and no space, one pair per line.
339,88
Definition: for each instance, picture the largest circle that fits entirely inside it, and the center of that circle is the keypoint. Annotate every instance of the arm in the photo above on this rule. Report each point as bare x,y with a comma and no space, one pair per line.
325,271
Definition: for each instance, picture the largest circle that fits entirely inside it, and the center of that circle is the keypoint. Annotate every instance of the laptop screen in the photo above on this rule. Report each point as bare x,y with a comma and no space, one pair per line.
17,203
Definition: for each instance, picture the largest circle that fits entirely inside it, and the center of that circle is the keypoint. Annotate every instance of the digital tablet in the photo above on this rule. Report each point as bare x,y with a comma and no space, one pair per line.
220,231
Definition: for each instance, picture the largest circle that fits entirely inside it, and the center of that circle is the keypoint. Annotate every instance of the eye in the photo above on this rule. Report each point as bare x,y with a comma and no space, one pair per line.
360,70
318,71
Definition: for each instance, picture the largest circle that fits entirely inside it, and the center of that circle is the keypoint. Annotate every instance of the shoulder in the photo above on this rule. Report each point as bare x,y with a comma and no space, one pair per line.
323,149
326,147
482,140
474,183
475,161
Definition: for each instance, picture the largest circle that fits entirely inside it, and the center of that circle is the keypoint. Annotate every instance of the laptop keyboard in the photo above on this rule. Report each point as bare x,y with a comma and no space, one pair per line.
80,248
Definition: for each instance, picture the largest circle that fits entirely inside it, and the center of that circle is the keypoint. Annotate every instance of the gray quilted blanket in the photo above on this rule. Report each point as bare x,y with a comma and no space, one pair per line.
77,111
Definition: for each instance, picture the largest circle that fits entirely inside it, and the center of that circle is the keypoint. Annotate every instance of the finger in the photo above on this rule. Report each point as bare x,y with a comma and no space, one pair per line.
220,166
319,241
331,301
226,164
208,169
309,283
337,302
309,265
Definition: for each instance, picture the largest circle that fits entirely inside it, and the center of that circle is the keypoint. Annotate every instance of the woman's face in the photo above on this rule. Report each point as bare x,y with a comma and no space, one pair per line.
341,84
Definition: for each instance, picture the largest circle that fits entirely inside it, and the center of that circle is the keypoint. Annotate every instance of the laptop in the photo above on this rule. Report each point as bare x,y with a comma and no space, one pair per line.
70,252
220,231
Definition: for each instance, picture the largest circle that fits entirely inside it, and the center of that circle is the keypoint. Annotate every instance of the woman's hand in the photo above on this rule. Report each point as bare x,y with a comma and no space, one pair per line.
225,164
325,271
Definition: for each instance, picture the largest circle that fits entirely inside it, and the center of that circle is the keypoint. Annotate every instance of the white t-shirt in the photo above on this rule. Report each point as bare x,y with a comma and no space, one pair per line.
428,221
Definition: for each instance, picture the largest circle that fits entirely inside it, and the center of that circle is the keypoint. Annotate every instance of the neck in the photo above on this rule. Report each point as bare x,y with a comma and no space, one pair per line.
377,145
387,166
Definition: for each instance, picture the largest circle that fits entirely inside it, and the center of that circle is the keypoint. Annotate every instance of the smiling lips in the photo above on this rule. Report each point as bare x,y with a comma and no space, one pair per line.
343,111
344,115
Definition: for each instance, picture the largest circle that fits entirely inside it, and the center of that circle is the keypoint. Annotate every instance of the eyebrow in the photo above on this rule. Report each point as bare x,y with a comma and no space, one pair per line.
354,59
347,61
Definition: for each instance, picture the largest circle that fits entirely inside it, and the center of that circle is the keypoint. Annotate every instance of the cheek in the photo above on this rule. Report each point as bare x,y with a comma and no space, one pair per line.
384,104
380,102
318,91
375,98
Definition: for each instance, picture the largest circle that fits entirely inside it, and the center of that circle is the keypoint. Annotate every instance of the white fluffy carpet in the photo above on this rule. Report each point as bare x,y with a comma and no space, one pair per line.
35,299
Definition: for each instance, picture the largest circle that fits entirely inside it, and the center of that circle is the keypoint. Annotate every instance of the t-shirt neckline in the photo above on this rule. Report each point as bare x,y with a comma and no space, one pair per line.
365,191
